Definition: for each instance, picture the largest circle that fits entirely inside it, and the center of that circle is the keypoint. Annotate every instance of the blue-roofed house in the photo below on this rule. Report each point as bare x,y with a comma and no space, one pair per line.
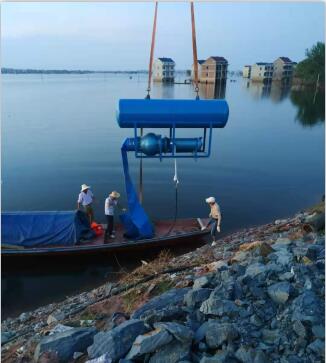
163,70
262,72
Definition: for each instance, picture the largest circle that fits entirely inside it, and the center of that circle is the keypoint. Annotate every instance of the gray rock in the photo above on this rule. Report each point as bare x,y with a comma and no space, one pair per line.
318,331
102,359
283,257
261,357
216,307
65,344
271,336
315,251
149,342
279,292
219,333
55,317
116,342
202,281
23,317
286,276
196,296
6,336
307,307
299,328
171,353
76,355
172,297
318,347
255,269
200,332
221,357
179,331
245,355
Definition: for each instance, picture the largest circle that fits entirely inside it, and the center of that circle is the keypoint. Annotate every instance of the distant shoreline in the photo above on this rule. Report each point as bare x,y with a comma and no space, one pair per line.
5,70
60,71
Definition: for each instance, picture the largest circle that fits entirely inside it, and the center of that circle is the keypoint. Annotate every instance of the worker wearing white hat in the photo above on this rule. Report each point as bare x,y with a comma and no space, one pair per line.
110,204
215,220
86,198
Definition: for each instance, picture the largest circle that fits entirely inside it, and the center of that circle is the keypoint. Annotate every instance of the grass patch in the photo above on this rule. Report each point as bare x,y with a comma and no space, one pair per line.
154,267
317,208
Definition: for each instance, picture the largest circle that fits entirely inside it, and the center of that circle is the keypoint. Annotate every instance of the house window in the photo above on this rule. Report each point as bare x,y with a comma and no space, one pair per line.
163,73
206,74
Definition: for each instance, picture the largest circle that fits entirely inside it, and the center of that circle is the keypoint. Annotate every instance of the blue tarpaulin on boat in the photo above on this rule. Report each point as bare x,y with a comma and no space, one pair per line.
37,229
136,222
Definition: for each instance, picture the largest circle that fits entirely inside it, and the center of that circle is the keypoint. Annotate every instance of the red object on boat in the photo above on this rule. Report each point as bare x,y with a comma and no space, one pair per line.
97,228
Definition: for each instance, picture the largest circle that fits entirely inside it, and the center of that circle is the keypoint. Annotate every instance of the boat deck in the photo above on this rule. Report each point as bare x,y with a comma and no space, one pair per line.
167,233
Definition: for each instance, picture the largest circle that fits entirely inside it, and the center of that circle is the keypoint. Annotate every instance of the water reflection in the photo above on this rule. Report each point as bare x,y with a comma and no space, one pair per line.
213,90
277,92
311,107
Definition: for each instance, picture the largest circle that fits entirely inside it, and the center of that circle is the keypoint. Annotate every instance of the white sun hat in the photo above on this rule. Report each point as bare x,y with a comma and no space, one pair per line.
114,194
84,187
210,200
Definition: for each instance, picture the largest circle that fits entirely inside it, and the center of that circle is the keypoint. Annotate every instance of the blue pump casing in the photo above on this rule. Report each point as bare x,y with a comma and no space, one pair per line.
157,113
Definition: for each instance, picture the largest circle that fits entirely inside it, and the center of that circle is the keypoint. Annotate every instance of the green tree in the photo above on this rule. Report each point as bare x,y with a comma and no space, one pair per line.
313,65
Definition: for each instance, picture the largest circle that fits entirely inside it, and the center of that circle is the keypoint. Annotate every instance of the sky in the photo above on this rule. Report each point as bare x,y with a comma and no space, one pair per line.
117,36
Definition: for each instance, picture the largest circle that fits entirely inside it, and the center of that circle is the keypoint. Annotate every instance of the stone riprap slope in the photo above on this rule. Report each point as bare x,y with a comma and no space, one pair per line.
257,297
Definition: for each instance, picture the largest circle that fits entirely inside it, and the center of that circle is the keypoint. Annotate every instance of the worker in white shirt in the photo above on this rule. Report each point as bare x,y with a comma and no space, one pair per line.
110,204
215,218
86,198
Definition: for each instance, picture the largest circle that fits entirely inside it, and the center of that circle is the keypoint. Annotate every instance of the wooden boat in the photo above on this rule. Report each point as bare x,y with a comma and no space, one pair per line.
184,231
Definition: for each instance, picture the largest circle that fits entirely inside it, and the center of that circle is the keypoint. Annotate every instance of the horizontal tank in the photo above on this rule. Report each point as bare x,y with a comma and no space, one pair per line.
151,113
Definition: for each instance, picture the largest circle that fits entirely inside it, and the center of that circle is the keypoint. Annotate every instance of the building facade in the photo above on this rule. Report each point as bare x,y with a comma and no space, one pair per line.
283,69
164,70
262,72
214,69
246,72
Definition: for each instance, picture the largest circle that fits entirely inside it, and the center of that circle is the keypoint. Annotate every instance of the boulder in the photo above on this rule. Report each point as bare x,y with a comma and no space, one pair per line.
299,328
6,336
116,342
149,342
318,347
282,256
218,333
172,297
55,317
217,307
201,332
172,353
220,357
102,359
318,331
245,354
202,281
307,307
196,296
255,269
279,292
66,343
179,331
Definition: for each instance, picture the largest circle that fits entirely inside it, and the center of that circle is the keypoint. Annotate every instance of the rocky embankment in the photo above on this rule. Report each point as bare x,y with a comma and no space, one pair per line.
256,297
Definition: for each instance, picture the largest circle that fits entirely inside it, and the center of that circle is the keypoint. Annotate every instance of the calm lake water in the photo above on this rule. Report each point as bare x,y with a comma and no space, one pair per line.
59,131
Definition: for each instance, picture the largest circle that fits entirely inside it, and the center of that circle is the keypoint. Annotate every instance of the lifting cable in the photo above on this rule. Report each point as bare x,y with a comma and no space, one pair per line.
194,48
150,71
150,67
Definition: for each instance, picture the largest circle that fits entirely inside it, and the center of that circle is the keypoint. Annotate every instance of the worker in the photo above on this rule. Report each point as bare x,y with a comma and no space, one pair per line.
215,218
86,198
110,203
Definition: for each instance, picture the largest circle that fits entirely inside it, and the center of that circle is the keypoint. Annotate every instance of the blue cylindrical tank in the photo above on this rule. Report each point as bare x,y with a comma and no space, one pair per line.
153,113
